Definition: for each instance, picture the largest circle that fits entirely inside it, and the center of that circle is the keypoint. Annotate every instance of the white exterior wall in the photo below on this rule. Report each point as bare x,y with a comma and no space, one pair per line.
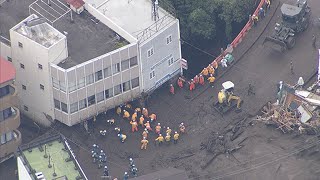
37,100
22,171
158,62
73,74
5,51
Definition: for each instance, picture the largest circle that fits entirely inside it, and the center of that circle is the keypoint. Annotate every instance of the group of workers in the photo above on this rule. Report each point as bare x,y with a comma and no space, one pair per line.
208,73
261,13
141,117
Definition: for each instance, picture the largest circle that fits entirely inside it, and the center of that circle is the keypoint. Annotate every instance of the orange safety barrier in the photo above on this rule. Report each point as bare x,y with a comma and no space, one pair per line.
242,33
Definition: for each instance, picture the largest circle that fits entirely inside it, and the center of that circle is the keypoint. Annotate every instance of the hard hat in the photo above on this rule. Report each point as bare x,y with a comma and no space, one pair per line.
141,115
182,123
143,108
175,132
101,150
118,134
170,84
130,159
158,123
147,121
94,145
145,129
168,128
125,173
191,79
106,167
144,137
133,165
261,8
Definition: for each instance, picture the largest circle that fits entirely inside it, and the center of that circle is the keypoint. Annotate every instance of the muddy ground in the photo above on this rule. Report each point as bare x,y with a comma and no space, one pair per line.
267,153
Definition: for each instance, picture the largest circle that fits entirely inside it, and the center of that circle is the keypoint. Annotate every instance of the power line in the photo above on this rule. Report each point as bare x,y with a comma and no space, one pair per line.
205,52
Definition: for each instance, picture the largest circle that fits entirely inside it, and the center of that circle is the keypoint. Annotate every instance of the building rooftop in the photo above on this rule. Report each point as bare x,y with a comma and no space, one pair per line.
134,16
38,30
7,71
87,37
36,158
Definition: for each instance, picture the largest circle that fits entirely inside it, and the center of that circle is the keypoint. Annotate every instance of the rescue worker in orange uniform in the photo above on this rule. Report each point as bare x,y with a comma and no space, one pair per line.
201,79
128,106
159,139
175,137
171,89
144,143
126,114
215,64
134,125
145,112
141,121
145,133
191,85
168,131
180,82
210,69
205,72
211,79
196,79
182,128
168,138
147,125
158,128
153,117
134,116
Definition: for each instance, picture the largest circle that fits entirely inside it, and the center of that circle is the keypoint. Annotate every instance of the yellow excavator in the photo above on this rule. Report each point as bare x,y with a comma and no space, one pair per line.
226,99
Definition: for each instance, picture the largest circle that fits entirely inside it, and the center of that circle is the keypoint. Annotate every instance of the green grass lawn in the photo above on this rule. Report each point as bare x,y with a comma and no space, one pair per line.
58,156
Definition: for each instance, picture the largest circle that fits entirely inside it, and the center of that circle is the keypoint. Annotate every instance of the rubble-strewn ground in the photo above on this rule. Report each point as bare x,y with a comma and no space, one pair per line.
267,153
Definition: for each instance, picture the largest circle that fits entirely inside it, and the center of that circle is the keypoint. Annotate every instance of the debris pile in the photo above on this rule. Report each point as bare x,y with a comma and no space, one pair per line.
296,110
222,143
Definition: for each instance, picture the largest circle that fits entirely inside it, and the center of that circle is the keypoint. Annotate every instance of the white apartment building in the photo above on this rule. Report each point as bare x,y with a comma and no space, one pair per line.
108,55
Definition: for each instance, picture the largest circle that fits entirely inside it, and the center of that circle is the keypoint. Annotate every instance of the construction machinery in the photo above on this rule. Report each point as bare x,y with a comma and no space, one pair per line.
227,100
295,19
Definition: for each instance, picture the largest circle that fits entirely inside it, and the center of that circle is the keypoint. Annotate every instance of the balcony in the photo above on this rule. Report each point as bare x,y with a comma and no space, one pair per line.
10,123
10,99
7,149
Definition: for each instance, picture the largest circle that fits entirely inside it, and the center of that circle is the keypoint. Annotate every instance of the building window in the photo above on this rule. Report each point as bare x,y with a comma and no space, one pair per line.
152,74
41,87
72,86
62,86
170,61
135,82
4,91
55,83
91,100
107,72
125,86
81,82
109,93
100,96
124,65
56,104
169,39
116,68
20,44
90,79
150,52
74,107
82,104
25,108
39,66
24,87
99,75
9,58
6,113
117,89
21,65
133,61
64,107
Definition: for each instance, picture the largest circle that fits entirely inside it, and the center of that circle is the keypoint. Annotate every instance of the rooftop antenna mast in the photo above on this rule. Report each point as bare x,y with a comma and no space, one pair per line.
155,7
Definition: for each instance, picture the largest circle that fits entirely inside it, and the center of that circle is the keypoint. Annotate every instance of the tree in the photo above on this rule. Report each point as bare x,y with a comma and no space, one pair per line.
201,24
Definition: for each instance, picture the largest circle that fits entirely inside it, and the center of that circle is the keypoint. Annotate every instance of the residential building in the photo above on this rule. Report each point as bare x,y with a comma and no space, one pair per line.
48,158
71,68
10,137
